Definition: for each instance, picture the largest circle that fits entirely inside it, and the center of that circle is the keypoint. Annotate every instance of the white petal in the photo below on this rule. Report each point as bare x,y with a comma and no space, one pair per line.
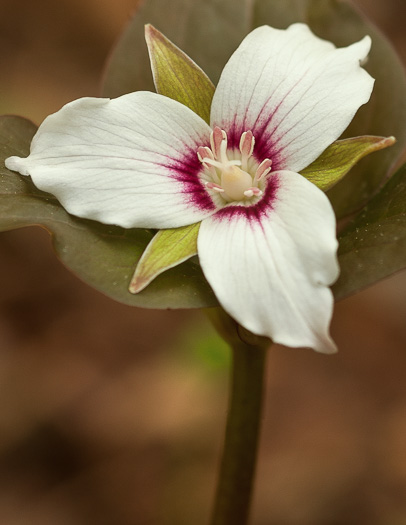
295,92
270,265
130,161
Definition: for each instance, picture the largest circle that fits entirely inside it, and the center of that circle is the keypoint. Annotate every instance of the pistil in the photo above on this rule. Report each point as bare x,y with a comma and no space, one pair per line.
235,182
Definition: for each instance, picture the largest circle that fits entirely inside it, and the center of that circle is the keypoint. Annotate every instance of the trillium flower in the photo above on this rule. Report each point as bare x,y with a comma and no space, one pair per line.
267,242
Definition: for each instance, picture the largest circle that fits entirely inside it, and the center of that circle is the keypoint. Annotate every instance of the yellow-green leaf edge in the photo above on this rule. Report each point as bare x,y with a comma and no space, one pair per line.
167,249
175,76
337,160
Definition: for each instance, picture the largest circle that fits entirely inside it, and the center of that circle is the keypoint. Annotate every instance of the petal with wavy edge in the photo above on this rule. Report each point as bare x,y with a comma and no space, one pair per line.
295,92
270,265
129,161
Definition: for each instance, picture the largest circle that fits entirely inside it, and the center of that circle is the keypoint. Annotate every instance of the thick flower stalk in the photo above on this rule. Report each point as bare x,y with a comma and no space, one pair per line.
267,242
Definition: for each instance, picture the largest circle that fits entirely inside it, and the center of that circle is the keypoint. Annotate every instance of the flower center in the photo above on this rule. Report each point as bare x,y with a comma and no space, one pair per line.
235,182
239,178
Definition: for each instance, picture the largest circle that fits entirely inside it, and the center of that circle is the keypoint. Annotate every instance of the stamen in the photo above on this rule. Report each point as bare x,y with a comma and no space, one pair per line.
223,151
247,142
263,169
214,187
218,141
253,191
204,152
234,179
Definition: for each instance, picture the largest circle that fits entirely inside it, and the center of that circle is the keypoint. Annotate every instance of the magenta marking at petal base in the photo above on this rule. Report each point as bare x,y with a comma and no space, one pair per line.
239,178
255,212
186,171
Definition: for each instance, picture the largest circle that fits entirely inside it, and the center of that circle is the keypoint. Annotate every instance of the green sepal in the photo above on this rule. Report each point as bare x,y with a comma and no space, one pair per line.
176,75
337,160
373,245
167,249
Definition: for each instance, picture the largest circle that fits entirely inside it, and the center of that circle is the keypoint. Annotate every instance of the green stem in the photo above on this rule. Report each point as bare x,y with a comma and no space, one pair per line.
235,485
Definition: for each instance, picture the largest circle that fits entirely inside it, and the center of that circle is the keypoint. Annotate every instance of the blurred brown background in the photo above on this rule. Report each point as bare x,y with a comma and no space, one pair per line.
114,416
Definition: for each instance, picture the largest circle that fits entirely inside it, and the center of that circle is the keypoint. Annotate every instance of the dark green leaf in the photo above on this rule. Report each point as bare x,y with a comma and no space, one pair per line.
102,256
208,31
384,115
373,246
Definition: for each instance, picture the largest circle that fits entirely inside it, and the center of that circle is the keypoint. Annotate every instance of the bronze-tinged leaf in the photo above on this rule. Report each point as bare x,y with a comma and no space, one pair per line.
373,246
384,115
102,256
208,31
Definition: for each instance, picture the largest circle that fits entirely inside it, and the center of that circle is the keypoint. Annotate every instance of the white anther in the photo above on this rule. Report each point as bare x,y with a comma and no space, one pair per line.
218,142
214,187
253,191
263,169
203,153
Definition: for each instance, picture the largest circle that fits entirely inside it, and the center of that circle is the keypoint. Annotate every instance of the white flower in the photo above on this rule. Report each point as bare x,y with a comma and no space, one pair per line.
267,242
